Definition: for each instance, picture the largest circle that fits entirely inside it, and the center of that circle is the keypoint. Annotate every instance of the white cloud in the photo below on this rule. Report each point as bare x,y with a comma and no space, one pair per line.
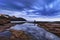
23,14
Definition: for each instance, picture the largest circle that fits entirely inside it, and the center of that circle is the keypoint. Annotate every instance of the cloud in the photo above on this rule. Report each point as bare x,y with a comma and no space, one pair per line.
23,14
31,9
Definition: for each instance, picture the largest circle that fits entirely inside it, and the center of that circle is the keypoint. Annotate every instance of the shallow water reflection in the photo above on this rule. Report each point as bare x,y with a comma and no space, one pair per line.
35,31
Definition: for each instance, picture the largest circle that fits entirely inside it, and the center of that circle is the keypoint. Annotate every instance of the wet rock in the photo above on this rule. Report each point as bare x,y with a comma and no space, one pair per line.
4,38
19,35
15,35
5,27
53,27
5,35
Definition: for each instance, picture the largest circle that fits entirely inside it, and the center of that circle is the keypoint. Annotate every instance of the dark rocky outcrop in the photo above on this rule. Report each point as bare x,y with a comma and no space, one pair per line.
6,19
17,19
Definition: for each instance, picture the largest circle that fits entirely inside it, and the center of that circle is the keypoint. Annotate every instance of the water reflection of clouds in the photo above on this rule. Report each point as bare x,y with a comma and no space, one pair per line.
36,31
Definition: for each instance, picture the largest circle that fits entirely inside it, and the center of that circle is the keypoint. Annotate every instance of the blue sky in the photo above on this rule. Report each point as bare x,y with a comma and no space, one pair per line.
41,10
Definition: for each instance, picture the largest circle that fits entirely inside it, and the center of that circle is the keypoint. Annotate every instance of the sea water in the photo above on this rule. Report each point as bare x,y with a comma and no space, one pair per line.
38,32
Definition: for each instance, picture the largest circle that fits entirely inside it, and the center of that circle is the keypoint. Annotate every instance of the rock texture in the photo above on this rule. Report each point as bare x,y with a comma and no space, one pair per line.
4,19
5,26
15,35
19,35
53,27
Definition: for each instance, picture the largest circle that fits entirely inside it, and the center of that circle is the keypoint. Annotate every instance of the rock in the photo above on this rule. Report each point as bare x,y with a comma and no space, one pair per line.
5,26
15,35
53,27
4,38
17,19
19,35
4,19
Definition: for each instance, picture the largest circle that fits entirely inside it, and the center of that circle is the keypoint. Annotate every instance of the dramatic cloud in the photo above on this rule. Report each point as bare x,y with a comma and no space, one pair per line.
31,8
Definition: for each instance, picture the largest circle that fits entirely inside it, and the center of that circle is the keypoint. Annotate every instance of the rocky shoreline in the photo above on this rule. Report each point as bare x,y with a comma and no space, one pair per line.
16,35
9,34
5,25
4,19
53,27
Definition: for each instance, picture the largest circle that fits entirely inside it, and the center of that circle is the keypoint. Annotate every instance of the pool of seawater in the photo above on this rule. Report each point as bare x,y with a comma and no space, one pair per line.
37,32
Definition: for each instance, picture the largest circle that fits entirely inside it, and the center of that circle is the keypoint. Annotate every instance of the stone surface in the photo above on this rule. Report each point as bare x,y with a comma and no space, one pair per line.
4,19
53,27
5,26
19,35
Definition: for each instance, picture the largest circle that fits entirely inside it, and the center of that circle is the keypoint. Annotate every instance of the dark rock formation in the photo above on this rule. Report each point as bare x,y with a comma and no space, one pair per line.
4,19
17,19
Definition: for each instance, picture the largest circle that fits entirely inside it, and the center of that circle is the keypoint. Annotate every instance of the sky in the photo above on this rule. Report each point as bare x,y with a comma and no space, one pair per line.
40,10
